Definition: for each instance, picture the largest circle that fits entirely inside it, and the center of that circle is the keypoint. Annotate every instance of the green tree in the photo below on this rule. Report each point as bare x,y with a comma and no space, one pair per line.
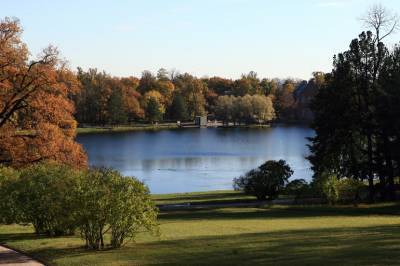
153,110
178,109
298,188
116,111
265,182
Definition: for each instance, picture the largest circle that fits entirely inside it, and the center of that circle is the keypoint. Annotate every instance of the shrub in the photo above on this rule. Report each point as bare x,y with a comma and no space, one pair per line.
267,181
299,188
112,202
9,212
57,199
47,198
330,188
350,190
132,210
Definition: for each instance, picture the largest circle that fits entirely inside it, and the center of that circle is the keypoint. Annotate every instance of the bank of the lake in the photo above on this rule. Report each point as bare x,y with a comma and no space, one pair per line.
125,128
275,235
160,126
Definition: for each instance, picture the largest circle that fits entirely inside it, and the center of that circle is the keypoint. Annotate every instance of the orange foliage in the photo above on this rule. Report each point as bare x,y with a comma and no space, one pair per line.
36,114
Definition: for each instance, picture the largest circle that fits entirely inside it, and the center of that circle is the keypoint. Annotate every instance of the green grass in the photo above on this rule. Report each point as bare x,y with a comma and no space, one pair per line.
88,130
280,235
210,197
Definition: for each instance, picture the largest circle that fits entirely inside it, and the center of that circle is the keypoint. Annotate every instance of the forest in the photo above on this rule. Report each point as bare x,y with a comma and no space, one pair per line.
172,96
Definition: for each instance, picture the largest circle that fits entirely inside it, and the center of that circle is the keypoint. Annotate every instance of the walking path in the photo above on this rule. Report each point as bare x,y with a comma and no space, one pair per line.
9,257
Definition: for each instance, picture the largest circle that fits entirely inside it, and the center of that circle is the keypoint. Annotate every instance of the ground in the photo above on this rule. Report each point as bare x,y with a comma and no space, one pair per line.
279,235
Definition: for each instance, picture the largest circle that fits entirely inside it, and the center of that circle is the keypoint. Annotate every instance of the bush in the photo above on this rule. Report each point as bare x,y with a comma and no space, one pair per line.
57,200
132,210
265,182
350,190
111,202
342,190
9,212
298,188
330,188
47,198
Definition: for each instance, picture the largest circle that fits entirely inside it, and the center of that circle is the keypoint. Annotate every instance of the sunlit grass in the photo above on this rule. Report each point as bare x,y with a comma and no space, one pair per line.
311,235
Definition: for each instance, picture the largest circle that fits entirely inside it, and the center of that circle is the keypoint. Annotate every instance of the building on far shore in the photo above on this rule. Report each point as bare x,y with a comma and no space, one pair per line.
201,121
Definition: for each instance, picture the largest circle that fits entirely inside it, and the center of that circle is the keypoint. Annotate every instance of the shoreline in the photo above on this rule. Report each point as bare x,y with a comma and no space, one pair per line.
149,127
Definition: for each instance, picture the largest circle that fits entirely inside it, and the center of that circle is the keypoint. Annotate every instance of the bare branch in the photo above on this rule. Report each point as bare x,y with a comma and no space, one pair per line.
381,20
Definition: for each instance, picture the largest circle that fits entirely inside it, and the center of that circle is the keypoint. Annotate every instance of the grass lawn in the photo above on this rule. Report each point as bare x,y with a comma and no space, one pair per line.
219,196
309,235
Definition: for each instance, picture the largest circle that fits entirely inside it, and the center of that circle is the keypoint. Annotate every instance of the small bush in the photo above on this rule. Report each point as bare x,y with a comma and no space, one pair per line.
350,190
265,182
113,203
298,188
330,188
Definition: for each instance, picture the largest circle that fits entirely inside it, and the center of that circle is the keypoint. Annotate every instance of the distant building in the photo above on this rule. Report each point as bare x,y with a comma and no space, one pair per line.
201,121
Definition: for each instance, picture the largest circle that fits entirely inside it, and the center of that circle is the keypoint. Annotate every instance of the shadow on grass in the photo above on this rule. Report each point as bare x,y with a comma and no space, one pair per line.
7,237
336,246
279,212
220,196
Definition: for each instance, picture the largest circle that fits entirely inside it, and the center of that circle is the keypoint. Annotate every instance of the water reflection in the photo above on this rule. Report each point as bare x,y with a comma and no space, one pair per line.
197,159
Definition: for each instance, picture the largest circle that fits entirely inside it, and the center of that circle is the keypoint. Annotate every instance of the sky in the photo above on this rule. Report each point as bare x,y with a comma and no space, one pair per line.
285,38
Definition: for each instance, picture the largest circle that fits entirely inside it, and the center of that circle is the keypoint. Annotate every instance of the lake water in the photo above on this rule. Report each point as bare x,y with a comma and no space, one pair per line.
187,160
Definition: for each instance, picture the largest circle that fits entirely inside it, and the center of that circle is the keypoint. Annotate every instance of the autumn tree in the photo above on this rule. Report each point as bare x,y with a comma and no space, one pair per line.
284,102
192,90
36,113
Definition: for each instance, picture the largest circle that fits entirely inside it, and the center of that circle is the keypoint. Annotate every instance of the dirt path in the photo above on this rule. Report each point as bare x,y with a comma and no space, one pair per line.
9,257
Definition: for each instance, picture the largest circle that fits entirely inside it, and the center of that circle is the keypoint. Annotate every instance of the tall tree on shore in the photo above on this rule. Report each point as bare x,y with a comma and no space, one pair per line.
350,137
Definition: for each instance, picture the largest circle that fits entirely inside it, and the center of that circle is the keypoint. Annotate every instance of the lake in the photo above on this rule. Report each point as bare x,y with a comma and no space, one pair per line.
197,159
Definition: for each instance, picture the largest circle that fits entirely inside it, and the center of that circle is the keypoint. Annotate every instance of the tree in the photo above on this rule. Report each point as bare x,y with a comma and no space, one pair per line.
224,108
36,113
382,21
178,109
285,101
192,90
116,109
298,188
147,82
263,109
265,182
153,110
351,122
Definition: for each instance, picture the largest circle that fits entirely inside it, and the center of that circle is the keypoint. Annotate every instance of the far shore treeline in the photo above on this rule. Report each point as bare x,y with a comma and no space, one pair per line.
172,96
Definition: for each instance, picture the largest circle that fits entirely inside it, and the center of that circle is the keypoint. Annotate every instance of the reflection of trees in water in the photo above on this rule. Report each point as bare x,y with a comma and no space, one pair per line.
193,159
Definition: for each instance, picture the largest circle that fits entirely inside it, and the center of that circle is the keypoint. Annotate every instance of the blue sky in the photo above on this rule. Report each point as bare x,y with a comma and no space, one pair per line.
285,38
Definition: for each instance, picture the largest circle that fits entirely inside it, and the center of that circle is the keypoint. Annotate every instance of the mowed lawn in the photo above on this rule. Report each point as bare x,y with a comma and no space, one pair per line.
280,235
